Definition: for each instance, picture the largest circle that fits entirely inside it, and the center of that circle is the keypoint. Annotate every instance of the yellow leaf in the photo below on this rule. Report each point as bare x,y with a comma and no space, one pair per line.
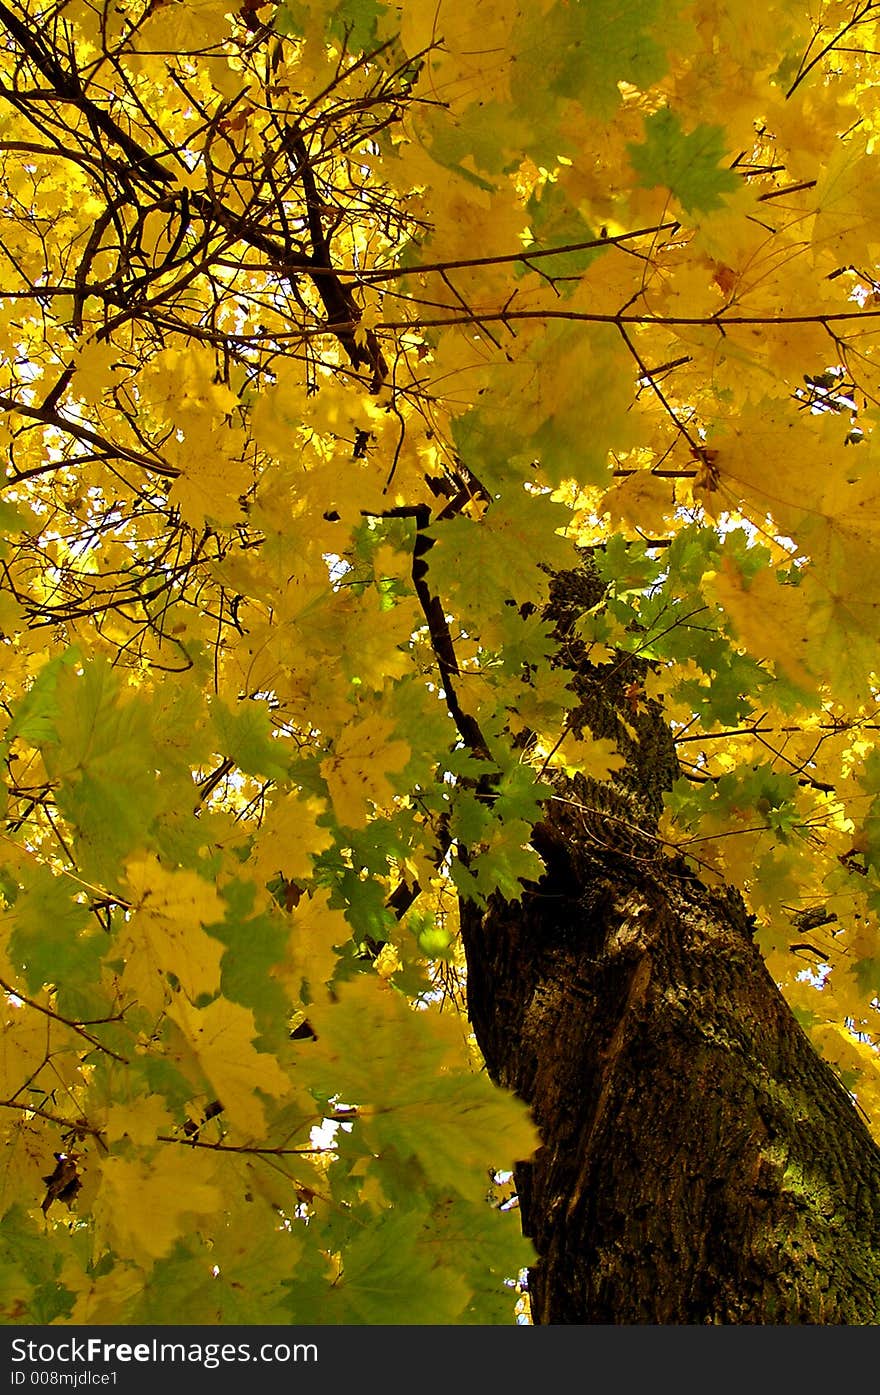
278,417
107,1298
146,1204
357,771
165,930
184,26
25,1162
212,478
183,387
388,961
24,1042
847,223
141,1121
317,931
770,619
845,1051
94,370
595,757
289,838
766,460
221,1039
641,499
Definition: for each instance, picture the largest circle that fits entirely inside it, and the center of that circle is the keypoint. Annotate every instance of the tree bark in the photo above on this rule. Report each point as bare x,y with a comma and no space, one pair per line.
700,1162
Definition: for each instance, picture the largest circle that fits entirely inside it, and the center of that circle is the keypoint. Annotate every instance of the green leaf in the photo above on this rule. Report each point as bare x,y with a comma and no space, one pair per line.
244,736
254,945
239,1279
100,753
33,718
356,21
500,557
687,165
414,1088
455,1126
47,942
489,134
503,867
554,221
489,1247
31,1289
584,49
390,1275
14,518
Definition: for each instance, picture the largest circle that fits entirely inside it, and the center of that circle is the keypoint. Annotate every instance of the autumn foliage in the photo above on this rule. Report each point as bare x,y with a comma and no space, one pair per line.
328,332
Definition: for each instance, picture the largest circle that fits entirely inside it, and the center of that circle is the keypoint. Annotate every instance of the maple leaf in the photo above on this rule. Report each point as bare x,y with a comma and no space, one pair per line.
147,1205
165,931
772,620
290,838
211,480
686,164
409,1071
220,1038
846,202
49,939
23,1046
588,49
94,368
317,934
357,771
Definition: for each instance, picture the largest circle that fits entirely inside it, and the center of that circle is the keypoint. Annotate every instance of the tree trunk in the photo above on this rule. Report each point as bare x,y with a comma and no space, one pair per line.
700,1162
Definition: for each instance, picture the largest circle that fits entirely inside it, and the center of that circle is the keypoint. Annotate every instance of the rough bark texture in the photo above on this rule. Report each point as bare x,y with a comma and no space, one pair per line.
701,1164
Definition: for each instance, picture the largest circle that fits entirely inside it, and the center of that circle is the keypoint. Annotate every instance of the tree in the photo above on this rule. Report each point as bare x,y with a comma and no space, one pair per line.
439,559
